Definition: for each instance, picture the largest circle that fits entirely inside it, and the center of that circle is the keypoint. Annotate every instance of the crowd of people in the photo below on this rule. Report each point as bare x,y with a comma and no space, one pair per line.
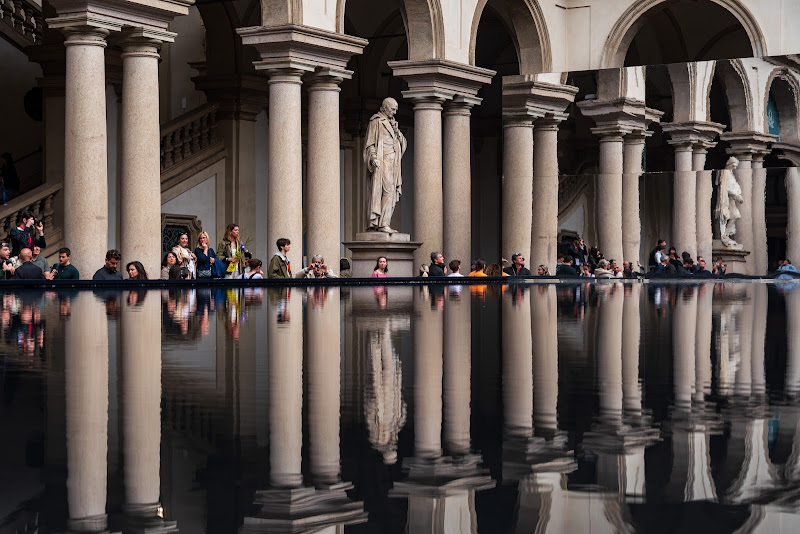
21,259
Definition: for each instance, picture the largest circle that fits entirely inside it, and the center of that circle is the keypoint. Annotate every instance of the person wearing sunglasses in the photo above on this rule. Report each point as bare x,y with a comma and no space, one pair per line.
517,267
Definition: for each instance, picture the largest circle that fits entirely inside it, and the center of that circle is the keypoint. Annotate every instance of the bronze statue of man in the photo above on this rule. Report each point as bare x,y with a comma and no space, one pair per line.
383,149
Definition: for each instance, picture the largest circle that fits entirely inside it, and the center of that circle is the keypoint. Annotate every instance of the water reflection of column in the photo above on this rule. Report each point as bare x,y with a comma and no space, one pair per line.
141,408
285,341
457,365
86,379
631,329
609,354
517,363
792,387
428,330
323,357
744,371
684,346
544,327
760,302
705,296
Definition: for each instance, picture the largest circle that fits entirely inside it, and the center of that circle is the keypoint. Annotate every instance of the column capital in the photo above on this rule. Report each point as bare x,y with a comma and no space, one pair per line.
327,79
748,145
621,116
549,122
136,44
637,137
697,136
442,79
458,106
538,98
85,36
301,48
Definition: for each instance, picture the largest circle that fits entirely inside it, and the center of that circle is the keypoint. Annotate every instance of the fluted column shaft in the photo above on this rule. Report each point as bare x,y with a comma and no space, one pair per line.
141,402
684,203
457,183
457,365
428,368
285,180
544,227
140,184
86,388
285,350
323,346
323,201
793,223
704,192
609,196
631,216
428,177
517,187
759,255
85,165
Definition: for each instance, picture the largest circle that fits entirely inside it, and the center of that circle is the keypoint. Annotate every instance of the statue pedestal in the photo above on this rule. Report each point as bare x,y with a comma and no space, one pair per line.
736,260
397,248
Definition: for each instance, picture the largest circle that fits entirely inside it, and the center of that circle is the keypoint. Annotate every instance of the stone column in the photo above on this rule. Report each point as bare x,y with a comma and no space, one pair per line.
285,351
323,356
744,226
609,193
631,213
793,222
684,200
86,387
85,165
544,227
544,328
704,192
428,176
141,404
140,183
517,363
428,366
457,183
285,179
457,366
323,201
517,193
759,257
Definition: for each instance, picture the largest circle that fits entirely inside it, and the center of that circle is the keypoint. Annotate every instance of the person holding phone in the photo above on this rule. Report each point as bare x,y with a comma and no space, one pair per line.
28,234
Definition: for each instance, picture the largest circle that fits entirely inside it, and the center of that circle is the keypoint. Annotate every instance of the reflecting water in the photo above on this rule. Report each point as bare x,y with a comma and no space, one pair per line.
602,407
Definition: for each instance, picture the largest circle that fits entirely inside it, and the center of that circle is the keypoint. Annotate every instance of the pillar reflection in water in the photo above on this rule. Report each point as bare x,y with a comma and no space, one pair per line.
544,328
86,378
609,352
429,305
457,366
792,293
141,410
517,363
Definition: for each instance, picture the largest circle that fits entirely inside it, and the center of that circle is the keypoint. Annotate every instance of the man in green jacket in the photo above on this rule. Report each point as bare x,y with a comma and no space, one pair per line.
279,265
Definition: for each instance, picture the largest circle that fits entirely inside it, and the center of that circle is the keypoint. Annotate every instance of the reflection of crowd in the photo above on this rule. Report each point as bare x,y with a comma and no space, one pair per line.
22,323
187,314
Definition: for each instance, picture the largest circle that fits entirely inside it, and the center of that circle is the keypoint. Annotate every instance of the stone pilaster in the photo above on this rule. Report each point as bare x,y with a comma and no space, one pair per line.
517,190
544,227
793,223
430,84
760,255
140,182
631,214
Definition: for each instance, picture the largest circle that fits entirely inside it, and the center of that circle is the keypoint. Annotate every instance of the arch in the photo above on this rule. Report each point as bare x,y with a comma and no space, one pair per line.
632,20
738,94
532,38
785,90
424,23
277,12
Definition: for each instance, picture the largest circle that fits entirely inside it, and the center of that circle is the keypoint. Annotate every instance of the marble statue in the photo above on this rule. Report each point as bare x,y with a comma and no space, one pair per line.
383,149
729,195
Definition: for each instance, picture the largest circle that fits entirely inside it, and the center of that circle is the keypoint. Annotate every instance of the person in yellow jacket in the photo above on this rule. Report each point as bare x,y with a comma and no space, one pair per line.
279,265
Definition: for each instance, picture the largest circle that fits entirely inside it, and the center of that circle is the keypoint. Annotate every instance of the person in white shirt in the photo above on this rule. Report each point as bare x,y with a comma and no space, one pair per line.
455,265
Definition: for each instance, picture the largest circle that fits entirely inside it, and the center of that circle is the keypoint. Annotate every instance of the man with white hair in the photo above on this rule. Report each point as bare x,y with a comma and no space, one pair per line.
602,270
317,269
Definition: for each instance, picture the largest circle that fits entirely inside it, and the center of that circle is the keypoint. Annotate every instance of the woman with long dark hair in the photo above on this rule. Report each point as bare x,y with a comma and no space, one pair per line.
136,271
170,260
231,251
381,268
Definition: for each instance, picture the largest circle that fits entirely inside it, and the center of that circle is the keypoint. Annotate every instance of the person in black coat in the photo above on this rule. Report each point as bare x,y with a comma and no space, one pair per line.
28,270
27,235
517,267
653,261
437,264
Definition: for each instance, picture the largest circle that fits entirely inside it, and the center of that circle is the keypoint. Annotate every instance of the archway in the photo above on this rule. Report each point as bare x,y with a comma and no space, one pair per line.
781,105
659,31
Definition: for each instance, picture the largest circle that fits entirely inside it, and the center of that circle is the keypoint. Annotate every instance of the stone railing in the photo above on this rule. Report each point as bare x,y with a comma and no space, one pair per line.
188,135
21,21
41,201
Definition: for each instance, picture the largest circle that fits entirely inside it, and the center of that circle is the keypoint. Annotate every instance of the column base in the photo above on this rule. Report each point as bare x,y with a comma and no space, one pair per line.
736,260
398,249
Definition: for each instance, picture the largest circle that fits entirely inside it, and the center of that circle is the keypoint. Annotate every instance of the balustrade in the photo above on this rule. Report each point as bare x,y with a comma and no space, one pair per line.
25,18
39,201
188,135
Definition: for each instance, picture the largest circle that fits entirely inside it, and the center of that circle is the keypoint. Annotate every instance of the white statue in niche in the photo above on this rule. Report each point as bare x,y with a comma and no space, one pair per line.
383,149
729,195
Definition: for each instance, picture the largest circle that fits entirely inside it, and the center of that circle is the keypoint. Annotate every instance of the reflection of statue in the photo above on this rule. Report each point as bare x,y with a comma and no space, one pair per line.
384,408
727,212
383,149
